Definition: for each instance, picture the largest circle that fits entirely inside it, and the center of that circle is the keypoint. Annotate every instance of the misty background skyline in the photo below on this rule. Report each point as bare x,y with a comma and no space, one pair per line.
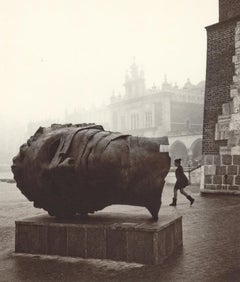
59,56
62,55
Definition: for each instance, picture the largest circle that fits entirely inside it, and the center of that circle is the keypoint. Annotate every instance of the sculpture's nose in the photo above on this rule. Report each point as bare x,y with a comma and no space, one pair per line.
16,166
23,148
14,160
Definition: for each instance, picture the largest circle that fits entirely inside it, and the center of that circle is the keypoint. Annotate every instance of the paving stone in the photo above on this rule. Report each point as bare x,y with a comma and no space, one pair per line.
211,245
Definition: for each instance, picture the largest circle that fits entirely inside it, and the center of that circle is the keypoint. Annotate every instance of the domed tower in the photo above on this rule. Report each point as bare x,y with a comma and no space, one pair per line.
166,86
134,82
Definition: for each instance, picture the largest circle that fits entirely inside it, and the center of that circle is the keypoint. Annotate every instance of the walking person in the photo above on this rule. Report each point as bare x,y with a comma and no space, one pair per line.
180,184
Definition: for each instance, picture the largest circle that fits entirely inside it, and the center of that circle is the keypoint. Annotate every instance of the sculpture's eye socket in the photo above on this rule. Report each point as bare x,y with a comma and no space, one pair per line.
53,149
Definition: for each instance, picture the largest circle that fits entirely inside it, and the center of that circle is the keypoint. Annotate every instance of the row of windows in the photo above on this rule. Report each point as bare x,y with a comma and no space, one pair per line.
134,121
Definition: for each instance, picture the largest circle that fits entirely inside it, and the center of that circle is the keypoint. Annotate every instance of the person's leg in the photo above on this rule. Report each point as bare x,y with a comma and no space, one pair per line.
187,196
183,192
174,200
175,193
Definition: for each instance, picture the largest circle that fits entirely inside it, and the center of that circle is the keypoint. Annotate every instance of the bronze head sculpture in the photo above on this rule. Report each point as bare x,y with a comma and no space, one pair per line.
79,169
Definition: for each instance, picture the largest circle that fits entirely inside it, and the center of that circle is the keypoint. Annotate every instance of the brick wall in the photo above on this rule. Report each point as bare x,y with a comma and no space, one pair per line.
219,77
228,9
221,159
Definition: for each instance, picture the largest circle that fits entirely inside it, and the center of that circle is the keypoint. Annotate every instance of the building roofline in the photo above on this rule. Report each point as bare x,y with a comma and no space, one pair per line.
144,97
228,21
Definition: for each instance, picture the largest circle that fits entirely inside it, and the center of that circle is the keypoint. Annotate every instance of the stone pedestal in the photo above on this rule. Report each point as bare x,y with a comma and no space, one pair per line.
118,237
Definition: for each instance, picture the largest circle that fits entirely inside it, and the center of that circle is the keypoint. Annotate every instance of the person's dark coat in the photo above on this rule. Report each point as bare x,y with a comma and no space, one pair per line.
182,180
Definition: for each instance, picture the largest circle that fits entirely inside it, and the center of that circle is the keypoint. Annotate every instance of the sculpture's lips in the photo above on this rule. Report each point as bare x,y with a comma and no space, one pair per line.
14,168
17,173
16,164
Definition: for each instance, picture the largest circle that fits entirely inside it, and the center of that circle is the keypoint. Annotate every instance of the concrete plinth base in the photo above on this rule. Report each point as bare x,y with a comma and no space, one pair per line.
101,236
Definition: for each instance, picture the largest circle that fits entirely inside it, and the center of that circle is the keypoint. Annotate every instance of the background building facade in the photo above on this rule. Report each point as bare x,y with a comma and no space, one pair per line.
169,110
155,112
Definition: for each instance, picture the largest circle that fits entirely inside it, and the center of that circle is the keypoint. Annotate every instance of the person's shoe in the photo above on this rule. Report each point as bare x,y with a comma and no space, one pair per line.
174,202
190,199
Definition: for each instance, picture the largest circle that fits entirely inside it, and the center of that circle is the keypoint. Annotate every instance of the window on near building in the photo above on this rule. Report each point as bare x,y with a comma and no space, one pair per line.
115,121
123,123
148,119
134,121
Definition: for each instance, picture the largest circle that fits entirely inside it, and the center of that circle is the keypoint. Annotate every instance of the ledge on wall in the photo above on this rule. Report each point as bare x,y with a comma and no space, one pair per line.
219,192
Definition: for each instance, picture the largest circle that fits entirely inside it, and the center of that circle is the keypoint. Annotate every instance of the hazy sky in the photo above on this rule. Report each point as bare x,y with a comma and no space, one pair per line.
58,54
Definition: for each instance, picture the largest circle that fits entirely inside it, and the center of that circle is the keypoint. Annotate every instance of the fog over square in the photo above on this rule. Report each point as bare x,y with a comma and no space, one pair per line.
61,55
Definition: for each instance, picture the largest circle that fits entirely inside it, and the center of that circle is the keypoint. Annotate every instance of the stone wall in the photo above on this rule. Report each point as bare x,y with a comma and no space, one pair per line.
221,170
221,134
222,173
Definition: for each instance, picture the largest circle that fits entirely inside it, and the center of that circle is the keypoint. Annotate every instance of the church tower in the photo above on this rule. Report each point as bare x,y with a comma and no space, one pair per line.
134,82
221,130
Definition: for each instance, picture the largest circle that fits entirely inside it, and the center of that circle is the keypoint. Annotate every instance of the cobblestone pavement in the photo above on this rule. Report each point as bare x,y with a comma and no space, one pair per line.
211,250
